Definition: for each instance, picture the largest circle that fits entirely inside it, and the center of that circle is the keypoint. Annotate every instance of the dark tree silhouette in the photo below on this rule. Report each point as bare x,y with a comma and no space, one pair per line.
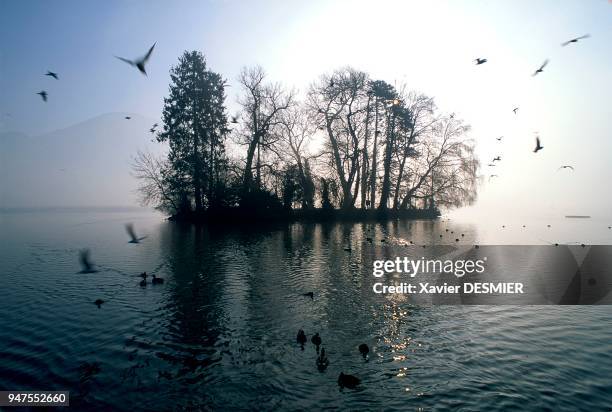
363,141
263,105
195,126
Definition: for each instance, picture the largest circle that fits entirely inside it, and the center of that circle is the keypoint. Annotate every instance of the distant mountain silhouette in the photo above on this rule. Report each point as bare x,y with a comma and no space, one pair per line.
87,164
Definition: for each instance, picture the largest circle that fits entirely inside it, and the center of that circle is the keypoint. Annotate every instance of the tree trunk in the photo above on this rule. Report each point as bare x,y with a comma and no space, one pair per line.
346,188
386,186
374,156
247,182
364,165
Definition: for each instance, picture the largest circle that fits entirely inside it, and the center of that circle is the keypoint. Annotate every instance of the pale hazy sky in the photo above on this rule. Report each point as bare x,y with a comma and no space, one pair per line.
429,45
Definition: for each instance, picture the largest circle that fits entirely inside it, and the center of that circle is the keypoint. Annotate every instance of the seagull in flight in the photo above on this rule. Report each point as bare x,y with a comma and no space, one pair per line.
541,69
43,94
52,74
586,36
515,110
498,158
86,264
566,167
129,227
538,146
480,61
140,63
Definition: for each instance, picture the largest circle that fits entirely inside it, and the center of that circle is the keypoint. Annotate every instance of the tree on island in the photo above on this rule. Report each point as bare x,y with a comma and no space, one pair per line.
195,127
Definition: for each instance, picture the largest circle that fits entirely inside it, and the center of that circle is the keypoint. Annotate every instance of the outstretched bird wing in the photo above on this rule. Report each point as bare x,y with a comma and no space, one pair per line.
146,57
131,63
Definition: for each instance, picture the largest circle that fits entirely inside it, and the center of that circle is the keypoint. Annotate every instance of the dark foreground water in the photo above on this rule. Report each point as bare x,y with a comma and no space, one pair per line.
219,334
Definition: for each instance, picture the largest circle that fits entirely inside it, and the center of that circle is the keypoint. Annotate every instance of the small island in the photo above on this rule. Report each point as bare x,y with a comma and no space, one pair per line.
351,148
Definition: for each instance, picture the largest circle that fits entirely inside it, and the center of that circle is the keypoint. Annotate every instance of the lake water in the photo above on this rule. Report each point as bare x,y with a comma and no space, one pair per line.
219,334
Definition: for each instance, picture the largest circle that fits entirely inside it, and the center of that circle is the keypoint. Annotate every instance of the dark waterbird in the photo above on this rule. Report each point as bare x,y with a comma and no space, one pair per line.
348,381
538,146
143,283
497,159
480,61
87,265
541,68
586,36
234,119
322,361
129,228
316,340
43,94
52,74
98,303
301,338
127,117
364,349
157,281
309,294
140,63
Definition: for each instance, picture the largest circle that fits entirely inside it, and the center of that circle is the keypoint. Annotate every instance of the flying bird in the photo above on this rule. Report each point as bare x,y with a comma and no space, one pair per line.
86,264
43,94
538,146
498,158
541,69
52,74
129,228
499,138
565,167
152,130
515,110
140,63
491,164
586,36
127,117
480,61
491,176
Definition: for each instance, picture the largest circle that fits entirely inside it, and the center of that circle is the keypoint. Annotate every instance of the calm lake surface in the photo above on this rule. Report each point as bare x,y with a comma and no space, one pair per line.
219,334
